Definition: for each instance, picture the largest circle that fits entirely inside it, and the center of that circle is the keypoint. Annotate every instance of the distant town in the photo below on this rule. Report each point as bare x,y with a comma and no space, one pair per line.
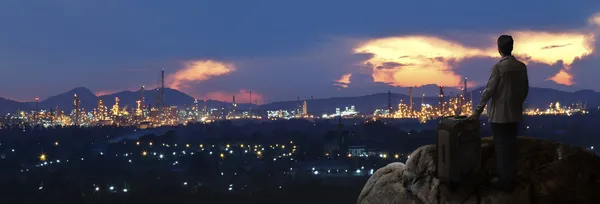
145,116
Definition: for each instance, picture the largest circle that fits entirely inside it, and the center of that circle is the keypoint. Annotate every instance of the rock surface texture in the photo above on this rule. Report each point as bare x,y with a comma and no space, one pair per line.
548,172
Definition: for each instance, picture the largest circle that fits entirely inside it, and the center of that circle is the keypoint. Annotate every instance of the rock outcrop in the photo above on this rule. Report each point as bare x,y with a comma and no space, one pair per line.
548,172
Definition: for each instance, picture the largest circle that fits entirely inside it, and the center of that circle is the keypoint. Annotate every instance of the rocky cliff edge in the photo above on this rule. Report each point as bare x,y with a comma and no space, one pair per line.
548,172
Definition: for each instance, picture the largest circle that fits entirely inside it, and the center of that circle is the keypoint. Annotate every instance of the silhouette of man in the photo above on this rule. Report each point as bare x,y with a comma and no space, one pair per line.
507,88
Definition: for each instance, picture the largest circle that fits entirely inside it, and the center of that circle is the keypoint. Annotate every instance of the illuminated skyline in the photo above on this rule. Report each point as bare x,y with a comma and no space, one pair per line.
282,50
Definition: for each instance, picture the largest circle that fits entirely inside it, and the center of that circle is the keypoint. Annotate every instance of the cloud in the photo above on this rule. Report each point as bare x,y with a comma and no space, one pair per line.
343,81
554,46
198,70
243,96
426,60
392,65
595,19
531,44
571,46
419,59
102,93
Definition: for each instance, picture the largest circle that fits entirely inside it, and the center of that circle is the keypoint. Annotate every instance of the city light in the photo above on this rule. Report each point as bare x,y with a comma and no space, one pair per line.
42,157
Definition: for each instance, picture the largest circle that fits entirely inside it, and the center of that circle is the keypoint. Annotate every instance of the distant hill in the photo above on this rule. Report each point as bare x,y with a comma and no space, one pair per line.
365,104
128,98
65,101
172,98
538,97
10,106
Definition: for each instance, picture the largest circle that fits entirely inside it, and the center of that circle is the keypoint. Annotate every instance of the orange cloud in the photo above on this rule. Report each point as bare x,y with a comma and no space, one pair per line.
198,70
243,96
550,48
562,77
343,81
419,60
416,60
102,93
595,19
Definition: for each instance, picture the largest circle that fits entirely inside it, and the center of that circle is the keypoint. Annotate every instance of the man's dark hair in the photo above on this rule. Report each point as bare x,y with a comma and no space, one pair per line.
505,44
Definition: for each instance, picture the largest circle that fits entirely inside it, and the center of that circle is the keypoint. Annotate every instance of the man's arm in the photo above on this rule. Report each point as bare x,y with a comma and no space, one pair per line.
490,89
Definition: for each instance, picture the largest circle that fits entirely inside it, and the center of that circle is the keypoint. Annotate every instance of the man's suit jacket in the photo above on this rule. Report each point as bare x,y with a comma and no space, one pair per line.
507,87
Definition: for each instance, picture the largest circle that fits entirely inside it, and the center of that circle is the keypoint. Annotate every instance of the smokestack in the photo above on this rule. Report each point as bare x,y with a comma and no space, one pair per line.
250,96
465,90
299,106
422,102
390,101
162,81
442,98
204,106
76,107
410,98
143,103
37,101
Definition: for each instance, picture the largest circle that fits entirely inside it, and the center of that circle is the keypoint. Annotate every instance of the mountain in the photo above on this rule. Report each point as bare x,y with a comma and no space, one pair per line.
151,97
364,104
538,98
10,106
64,101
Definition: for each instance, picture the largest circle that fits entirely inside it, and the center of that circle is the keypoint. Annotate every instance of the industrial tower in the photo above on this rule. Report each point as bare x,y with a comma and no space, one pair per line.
304,109
162,94
101,110
422,102
196,110
410,99
204,113
37,101
76,108
234,104
298,106
251,103
143,104
390,102
465,89
442,99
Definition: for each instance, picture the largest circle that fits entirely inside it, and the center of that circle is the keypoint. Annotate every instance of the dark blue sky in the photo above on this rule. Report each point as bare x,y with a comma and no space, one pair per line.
277,49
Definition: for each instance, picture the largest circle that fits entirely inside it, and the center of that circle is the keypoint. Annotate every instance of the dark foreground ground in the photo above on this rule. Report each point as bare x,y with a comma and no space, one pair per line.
313,192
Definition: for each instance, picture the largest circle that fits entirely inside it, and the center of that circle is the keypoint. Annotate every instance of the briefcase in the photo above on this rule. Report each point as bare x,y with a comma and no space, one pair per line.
458,149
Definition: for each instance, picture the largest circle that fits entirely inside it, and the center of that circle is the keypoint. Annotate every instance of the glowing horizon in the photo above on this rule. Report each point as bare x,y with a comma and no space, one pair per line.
242,96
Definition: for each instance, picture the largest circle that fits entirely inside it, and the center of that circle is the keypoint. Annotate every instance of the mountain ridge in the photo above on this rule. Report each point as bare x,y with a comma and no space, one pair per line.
538,97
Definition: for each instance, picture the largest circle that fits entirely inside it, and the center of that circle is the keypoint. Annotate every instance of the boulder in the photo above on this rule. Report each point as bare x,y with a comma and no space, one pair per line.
548,172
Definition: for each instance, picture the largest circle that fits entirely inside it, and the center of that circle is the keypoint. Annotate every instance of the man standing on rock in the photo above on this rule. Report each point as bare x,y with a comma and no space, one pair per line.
507,87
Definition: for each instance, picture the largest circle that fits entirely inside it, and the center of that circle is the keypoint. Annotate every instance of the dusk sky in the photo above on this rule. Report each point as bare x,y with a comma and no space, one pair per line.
284,49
